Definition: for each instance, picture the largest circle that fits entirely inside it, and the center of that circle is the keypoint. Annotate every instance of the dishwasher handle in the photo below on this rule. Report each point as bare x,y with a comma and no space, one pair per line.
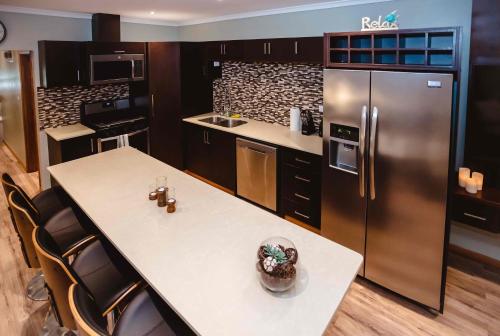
255,146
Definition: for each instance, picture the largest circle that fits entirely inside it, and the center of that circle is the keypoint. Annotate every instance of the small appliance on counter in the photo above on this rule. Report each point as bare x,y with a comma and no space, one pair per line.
308,127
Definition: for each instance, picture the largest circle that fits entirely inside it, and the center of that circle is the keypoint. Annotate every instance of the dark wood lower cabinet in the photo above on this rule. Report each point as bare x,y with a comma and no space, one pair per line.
301,188
481,210
211,154
70,149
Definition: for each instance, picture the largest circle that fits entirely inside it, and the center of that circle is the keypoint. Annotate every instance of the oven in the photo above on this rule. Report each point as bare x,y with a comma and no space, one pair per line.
118,123
138,139
116,68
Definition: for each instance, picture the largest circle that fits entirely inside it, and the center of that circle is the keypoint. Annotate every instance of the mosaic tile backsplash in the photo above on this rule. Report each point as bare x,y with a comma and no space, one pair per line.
60,106
267,91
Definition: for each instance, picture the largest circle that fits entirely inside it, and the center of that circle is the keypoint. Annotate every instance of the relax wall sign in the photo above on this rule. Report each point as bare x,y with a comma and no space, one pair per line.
390,22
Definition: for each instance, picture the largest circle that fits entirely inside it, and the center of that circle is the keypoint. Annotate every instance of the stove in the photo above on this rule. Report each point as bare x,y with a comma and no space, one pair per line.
118,123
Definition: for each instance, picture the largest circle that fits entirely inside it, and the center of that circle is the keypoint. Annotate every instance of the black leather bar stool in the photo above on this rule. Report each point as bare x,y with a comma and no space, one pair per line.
92,267
70,233
57,274
106,276
44,205
144,315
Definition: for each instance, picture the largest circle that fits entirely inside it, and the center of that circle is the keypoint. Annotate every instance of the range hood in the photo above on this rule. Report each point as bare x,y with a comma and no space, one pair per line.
105,27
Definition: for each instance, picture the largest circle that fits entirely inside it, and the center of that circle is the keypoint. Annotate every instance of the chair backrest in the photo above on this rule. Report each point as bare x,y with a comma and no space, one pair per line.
142,317
101,273
25,225
88,319
57,275
9,186
65,231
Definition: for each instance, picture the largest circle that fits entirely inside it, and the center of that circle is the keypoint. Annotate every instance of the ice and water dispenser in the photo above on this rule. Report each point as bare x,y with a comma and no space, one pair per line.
344,144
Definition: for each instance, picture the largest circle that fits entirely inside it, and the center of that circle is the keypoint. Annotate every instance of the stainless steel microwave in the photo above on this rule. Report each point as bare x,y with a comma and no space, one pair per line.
116,68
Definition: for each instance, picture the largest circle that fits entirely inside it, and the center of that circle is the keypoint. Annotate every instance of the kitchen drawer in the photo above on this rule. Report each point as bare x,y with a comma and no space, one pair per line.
476,214
302,160
306,214
300,186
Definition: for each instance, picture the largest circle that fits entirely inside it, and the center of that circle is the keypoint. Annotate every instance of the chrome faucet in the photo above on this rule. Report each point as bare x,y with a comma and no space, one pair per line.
226,101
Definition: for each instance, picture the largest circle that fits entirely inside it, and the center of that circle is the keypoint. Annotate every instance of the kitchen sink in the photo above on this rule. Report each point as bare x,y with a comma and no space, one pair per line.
219,121
212,120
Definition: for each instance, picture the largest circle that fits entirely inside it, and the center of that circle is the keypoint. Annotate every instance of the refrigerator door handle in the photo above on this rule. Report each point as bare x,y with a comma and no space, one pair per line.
362,136
373,133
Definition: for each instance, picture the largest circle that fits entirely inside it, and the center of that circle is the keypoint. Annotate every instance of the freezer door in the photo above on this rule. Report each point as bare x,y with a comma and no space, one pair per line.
408,174
343,218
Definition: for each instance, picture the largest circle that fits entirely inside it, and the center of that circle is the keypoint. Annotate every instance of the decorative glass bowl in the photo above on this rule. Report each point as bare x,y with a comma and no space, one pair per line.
276,264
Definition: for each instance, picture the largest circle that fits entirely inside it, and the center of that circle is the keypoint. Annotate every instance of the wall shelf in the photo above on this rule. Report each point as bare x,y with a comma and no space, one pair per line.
412,49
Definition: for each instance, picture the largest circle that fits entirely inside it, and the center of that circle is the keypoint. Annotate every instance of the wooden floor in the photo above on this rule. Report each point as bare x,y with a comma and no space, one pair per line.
472,304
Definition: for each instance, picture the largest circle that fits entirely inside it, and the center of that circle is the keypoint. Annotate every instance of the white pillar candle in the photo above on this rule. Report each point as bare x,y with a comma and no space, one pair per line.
470,185
478,177
463,175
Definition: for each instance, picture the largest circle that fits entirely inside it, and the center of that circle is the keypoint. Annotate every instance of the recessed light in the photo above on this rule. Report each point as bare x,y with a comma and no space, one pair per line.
152,13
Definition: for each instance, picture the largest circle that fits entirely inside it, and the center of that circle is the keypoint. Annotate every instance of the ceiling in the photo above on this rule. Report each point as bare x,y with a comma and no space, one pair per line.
177,11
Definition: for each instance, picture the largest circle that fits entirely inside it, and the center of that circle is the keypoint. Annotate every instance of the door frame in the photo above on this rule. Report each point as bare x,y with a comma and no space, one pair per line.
29,111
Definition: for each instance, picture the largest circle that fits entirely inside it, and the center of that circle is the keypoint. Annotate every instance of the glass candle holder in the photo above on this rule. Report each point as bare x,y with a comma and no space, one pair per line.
161,182
153,195
162,196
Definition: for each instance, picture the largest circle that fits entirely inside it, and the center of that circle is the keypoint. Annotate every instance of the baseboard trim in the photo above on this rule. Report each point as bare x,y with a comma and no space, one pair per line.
302,224
478,257
215,185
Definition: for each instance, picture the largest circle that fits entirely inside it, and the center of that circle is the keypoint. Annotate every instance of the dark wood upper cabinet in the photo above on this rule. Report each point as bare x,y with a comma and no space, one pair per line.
306,49
105,48
303,49
271,50
59,63
223,50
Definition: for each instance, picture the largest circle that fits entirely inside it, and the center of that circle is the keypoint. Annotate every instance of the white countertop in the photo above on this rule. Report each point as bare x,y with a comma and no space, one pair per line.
272,133
201,259
68,132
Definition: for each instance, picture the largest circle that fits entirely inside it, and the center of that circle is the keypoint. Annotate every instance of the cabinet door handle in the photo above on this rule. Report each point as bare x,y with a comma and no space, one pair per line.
265,48
205,137
221,49
119,51
78,75
297,177
208,139
475,217
296,47
269,47
302,197
302,161
225,49
91,146
153,105
301,215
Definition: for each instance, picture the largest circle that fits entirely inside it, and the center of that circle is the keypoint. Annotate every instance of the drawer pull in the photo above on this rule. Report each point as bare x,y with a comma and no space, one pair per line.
302,196
301,215
297,177
302,161
475,217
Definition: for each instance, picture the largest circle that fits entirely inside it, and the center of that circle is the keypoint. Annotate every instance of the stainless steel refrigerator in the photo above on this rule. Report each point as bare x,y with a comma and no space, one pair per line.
386,157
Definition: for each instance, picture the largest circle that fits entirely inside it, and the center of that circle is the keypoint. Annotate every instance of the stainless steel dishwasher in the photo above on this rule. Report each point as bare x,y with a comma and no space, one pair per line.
256,172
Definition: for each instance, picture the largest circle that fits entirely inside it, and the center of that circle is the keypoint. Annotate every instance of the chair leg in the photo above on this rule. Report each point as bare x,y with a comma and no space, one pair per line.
51,326
36,289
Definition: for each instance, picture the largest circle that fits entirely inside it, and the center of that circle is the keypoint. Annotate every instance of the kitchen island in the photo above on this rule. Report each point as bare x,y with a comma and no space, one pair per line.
202,259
